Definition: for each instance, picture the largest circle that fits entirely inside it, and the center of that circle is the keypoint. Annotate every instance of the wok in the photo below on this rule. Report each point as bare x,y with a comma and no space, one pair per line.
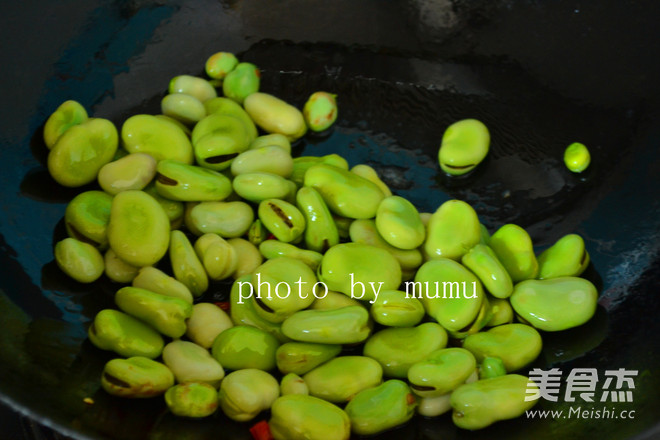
540,74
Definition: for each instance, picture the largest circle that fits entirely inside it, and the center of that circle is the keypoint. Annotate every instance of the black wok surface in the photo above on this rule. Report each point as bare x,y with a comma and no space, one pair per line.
539,74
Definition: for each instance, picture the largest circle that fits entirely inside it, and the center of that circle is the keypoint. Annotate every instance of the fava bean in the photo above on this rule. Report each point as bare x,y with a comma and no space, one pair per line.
555,304
346,325
320,111
380,408
157,137
244,346
298,417
341,378
220,64
134,171
464,145
136,377
242,82
87,217
192,400
274,115
245,393
157,281
127,336
566,258
67,115
206,322
397,349
193,86
482,403
81,151
293,384
183,107
191,363
80,261
577,157
164,313
302,357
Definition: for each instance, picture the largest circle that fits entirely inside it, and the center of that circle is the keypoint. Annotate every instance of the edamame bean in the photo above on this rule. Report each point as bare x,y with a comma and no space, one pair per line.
298,417
341,378
164,313
380,408
320,111
81,151
274,115
67,115
555,304
577,157
127,336
136,377
134,171
244,394
206,322
397,349
220,64
464,145
242,82
191,363
157,137
194,400
482,403
244,346
80,261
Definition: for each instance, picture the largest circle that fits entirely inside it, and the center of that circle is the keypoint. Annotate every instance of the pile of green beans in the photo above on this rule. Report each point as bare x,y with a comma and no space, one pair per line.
211,186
